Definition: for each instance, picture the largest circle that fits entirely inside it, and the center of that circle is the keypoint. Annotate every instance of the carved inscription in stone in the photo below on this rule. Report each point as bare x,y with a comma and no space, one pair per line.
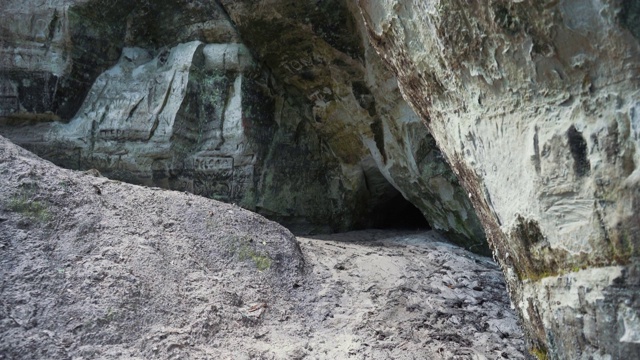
321,95
122,134
9,103
213,164
242,181
212,176
296,66
103,162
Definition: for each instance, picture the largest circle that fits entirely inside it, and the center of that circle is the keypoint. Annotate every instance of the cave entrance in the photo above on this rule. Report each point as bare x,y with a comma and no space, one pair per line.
398,213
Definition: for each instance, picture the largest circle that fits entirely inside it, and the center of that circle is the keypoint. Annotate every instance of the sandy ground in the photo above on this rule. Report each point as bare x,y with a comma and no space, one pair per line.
402,295
92,268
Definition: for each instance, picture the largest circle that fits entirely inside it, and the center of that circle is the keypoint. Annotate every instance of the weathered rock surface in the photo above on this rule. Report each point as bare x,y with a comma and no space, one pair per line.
96,268
321,50
535,104
312,133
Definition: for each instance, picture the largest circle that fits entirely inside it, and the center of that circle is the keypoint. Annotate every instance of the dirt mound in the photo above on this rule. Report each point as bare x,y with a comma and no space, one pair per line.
95,268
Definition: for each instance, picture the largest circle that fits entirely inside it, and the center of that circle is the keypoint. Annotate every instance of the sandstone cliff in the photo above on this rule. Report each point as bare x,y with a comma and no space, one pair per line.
535,105
280,109
296,110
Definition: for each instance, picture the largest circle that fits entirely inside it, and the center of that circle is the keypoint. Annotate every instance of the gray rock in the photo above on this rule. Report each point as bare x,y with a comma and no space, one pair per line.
535,105
97,268
312,132
286,109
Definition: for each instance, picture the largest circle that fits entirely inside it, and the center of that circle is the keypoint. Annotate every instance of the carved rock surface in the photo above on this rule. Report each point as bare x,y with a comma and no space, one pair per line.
284,108
536,106
300,120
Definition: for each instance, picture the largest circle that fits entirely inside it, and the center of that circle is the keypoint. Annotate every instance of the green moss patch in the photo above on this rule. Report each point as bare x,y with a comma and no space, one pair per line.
540,354
260,259
24,204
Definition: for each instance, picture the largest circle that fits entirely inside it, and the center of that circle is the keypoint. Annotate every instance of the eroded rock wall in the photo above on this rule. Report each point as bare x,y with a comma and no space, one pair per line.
320,52
535,104
299,120
285,108
182,104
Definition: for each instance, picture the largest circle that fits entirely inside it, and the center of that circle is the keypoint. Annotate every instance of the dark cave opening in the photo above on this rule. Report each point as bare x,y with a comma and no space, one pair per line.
399,213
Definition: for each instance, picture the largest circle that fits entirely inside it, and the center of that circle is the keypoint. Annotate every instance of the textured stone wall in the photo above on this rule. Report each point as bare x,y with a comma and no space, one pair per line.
320,54
282,108
288,109
535,104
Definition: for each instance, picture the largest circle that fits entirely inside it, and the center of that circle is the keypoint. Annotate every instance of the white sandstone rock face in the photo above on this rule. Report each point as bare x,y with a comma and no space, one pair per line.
134,110
137,99
53,50
39,36
35,41
319,137
535,104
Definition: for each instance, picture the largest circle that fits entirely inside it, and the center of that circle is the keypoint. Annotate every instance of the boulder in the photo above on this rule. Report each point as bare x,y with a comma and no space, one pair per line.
97,268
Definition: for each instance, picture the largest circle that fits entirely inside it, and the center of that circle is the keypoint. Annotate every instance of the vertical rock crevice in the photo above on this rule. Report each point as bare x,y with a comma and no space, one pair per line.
578,148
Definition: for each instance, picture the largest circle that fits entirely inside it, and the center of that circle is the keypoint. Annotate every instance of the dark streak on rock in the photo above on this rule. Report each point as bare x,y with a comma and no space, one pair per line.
470,182
505,20
528,231
611,144
536,151
630,16
578,147
364,97
133,109
378,136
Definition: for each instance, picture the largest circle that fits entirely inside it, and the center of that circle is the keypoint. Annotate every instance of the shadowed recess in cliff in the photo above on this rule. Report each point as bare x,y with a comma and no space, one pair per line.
399,213
578,147
282,109
630,16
